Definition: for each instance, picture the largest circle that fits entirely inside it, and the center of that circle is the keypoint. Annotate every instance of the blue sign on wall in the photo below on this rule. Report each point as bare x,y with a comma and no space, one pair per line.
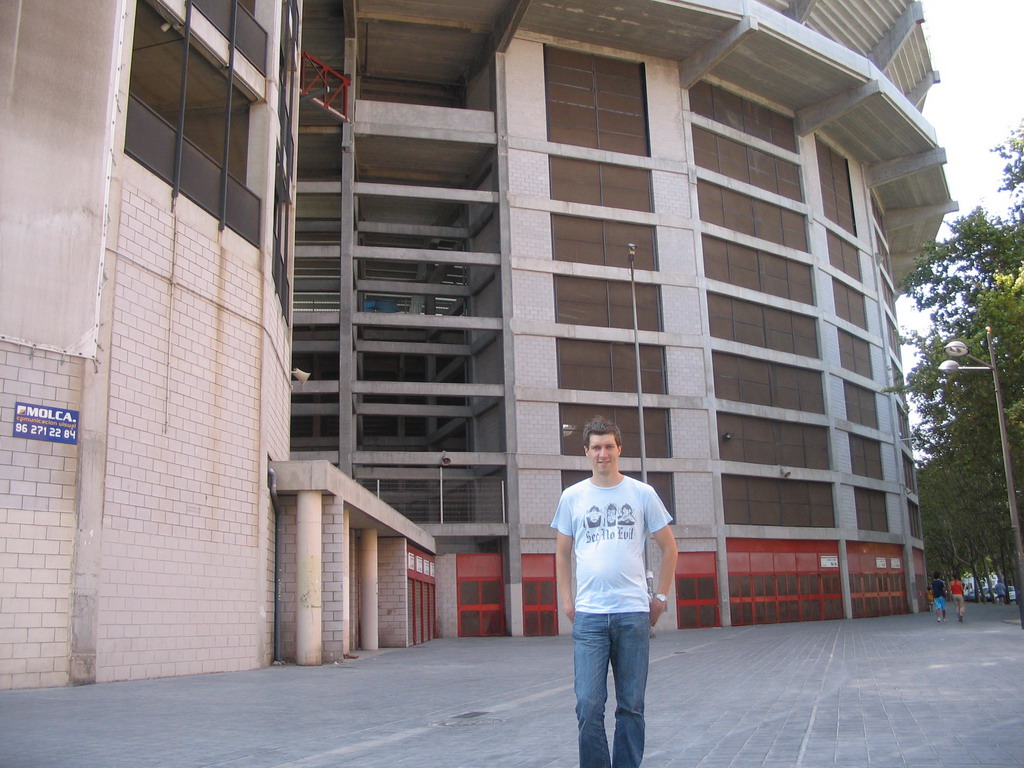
41,422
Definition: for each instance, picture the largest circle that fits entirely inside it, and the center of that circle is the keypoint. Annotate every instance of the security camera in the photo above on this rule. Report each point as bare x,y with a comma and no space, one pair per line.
445,459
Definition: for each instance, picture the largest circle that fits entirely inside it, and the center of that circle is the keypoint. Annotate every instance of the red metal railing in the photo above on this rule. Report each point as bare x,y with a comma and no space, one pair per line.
325,85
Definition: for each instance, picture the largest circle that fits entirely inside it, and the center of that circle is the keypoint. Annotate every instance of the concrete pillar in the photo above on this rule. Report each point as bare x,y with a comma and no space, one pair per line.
351,640
368,619
309,567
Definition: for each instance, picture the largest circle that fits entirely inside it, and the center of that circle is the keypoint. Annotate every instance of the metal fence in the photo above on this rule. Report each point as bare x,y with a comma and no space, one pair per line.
456,500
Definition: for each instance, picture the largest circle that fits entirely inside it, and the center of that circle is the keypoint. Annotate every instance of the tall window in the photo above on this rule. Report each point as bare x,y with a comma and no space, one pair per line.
866,457
871,514
767,441
188,122
843,255
834,173
762,326
605,366
854,353
748,380
742,114
757,270
574,417
777,501
914,516
594,101
738,161
750,216
606,303
850,304
614,186
860,405
595,241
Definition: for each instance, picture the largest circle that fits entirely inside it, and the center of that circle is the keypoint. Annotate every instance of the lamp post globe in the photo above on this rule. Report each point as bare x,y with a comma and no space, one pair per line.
956,348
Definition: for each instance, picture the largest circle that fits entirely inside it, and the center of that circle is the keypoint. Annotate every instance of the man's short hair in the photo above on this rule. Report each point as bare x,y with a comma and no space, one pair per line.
599,425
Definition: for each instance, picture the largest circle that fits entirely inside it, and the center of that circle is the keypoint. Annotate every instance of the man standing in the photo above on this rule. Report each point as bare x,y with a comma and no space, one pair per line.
605,520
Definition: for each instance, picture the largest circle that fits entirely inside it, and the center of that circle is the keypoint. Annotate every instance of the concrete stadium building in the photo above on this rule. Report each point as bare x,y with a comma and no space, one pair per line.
474,224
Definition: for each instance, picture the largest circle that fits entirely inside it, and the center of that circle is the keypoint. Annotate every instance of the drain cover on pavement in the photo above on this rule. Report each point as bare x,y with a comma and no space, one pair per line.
466,719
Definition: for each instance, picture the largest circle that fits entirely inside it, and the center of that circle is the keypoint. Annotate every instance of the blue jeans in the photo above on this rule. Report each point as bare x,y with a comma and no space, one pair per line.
622,640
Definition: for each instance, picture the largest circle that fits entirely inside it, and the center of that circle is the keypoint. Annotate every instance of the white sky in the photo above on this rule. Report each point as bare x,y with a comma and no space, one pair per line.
976,47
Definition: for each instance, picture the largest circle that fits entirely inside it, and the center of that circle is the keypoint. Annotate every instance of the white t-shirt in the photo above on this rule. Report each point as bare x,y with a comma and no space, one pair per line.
609,527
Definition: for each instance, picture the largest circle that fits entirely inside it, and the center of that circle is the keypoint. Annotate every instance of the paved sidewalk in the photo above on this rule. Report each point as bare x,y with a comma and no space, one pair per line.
898,691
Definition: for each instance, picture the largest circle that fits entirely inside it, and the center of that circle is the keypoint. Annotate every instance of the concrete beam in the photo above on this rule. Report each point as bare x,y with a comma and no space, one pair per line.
799,10
418,230
426,389
904,217
367,510
698,64
399,319
406,288
919,91
409,348
883,173
417,458
508,22
888,47
396,409
815,116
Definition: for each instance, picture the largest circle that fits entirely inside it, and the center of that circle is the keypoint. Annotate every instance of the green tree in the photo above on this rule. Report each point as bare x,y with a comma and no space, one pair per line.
972,280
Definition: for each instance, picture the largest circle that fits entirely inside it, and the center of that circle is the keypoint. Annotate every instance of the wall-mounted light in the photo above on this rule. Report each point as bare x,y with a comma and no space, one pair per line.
300,375
784,472
165,27
446,460
727,436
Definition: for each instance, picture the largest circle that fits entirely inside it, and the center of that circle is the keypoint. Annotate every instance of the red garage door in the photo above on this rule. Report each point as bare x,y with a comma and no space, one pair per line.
540,604
481,595
778,580
696,590
877,585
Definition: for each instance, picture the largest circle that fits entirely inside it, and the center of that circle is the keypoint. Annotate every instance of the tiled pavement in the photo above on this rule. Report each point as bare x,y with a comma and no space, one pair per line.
897,691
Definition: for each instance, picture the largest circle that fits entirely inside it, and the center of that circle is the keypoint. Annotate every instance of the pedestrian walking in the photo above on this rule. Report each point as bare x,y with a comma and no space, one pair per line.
956,589
939,594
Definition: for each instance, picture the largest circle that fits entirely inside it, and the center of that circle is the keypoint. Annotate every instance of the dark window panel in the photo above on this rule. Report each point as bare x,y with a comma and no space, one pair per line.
860,405
727,108
854,354
777,501
749,216
596,102
656,428
834,173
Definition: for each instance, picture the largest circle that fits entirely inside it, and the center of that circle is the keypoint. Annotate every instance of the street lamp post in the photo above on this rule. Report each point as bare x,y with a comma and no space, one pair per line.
631,252
959,349
631,255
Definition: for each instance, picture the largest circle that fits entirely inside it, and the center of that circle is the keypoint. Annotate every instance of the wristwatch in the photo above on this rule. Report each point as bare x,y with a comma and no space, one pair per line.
661,597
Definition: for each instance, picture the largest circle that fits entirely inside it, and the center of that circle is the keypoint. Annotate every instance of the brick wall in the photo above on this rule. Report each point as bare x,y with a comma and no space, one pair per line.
335,571
445,574
37,522
393,593
181,570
